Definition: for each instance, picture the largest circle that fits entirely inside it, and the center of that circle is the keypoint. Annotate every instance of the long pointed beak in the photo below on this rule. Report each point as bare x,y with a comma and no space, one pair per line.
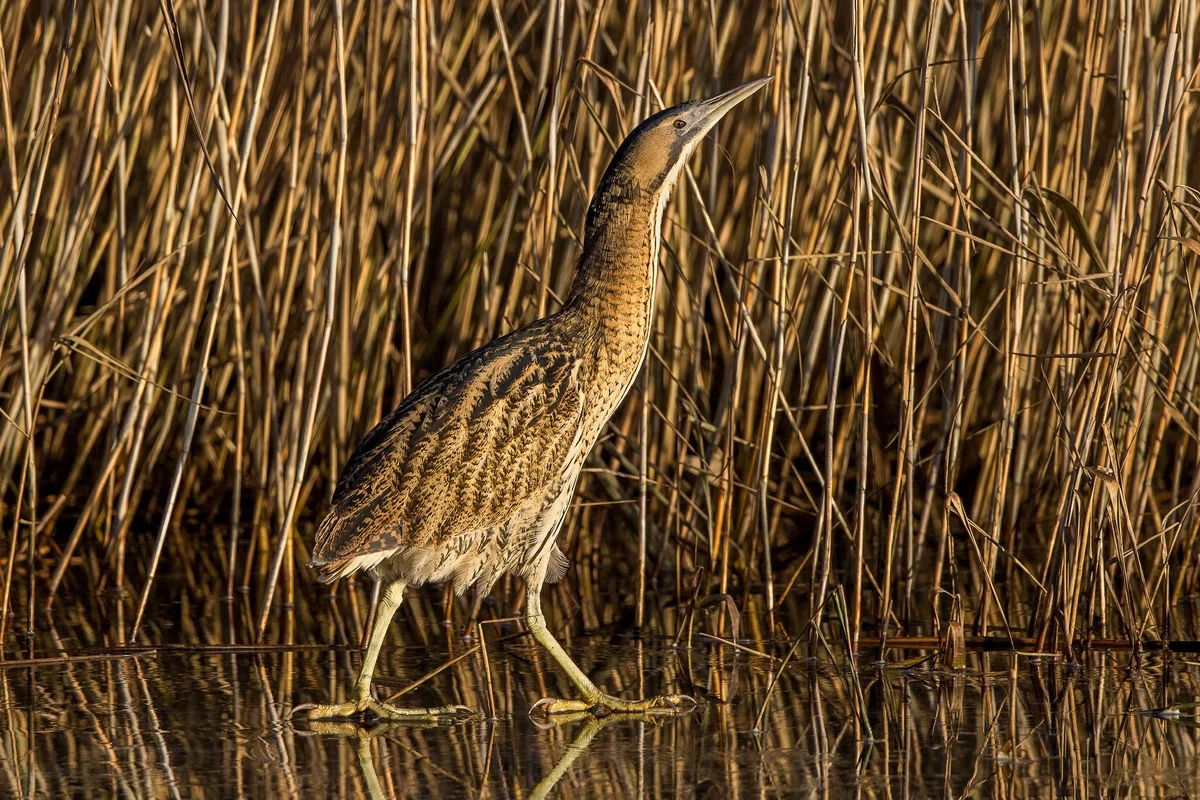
719,106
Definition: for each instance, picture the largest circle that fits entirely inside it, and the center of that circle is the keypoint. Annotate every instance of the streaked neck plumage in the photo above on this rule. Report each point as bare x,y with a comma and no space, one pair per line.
610,308
616,277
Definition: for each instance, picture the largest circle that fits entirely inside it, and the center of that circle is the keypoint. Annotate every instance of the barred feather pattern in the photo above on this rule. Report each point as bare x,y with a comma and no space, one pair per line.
462,465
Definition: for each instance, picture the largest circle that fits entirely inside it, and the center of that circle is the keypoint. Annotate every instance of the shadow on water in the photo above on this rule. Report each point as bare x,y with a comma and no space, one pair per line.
197,723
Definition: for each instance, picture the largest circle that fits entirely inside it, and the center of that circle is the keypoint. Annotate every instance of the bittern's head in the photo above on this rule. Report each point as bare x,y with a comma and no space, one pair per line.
652,156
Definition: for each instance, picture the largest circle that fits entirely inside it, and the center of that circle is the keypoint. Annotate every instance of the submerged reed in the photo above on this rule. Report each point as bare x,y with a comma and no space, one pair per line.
941,347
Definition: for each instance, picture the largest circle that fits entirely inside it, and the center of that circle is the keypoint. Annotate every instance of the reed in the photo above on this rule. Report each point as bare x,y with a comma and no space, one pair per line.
933,339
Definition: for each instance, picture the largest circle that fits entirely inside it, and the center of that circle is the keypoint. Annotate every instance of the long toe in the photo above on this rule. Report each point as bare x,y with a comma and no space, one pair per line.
440,715
341,711
605,704
663,704
550,706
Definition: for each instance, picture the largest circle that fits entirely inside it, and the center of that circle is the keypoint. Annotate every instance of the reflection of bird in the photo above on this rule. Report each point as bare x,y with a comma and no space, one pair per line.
579,746
471,476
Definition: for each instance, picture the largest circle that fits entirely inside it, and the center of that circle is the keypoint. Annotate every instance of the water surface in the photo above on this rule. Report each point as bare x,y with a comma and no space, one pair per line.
214,723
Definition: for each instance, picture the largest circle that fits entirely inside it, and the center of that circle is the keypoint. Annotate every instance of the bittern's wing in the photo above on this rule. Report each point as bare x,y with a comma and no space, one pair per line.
459,454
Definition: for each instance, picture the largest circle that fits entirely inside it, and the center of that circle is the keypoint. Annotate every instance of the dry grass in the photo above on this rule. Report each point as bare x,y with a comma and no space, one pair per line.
927,327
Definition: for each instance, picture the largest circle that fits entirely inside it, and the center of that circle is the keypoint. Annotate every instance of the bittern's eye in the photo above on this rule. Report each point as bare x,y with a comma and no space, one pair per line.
680,124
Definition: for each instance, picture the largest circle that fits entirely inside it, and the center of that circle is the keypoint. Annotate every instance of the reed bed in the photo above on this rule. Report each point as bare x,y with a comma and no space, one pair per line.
926,341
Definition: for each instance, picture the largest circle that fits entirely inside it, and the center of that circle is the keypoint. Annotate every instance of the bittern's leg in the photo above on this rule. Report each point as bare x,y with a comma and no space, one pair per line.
593,698
361,704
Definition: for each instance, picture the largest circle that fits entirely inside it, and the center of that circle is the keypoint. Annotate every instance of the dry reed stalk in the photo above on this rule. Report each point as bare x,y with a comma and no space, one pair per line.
942,336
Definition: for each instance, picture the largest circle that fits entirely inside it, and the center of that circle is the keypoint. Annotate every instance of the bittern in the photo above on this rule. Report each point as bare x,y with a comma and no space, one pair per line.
471,476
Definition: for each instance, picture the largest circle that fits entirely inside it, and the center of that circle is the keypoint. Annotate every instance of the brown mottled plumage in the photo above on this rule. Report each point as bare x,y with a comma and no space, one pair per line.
471,475
447,485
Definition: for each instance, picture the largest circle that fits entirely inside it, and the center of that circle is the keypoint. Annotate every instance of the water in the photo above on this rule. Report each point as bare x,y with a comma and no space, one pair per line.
214,723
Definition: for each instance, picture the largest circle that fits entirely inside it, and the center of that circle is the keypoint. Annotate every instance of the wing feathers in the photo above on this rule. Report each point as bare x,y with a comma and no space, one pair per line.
461,453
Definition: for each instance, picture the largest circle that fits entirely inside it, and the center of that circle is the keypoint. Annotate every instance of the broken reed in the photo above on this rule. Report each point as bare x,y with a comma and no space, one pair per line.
927,325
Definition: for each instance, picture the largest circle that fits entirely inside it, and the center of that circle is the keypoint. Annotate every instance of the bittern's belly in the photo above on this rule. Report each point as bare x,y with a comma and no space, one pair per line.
524,546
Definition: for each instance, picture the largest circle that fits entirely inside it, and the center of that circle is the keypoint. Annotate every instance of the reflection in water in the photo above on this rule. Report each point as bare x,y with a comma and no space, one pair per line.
214,724
201,725
578,746
589,726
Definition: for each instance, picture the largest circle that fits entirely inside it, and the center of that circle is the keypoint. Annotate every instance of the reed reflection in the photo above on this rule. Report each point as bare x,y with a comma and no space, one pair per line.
214,724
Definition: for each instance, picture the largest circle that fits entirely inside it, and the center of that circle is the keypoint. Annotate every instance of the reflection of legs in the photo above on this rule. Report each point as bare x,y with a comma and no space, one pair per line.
575,749
367,763
361,703
593,698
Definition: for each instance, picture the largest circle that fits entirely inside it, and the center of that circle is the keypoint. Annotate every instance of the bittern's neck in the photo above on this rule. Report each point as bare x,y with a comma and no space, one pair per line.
616,276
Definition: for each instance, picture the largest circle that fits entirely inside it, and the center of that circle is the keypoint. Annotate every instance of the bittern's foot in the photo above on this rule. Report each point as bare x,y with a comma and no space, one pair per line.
605,704
370,712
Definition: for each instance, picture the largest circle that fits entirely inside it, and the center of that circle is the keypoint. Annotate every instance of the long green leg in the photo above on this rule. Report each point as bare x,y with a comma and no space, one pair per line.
593,698
362,705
